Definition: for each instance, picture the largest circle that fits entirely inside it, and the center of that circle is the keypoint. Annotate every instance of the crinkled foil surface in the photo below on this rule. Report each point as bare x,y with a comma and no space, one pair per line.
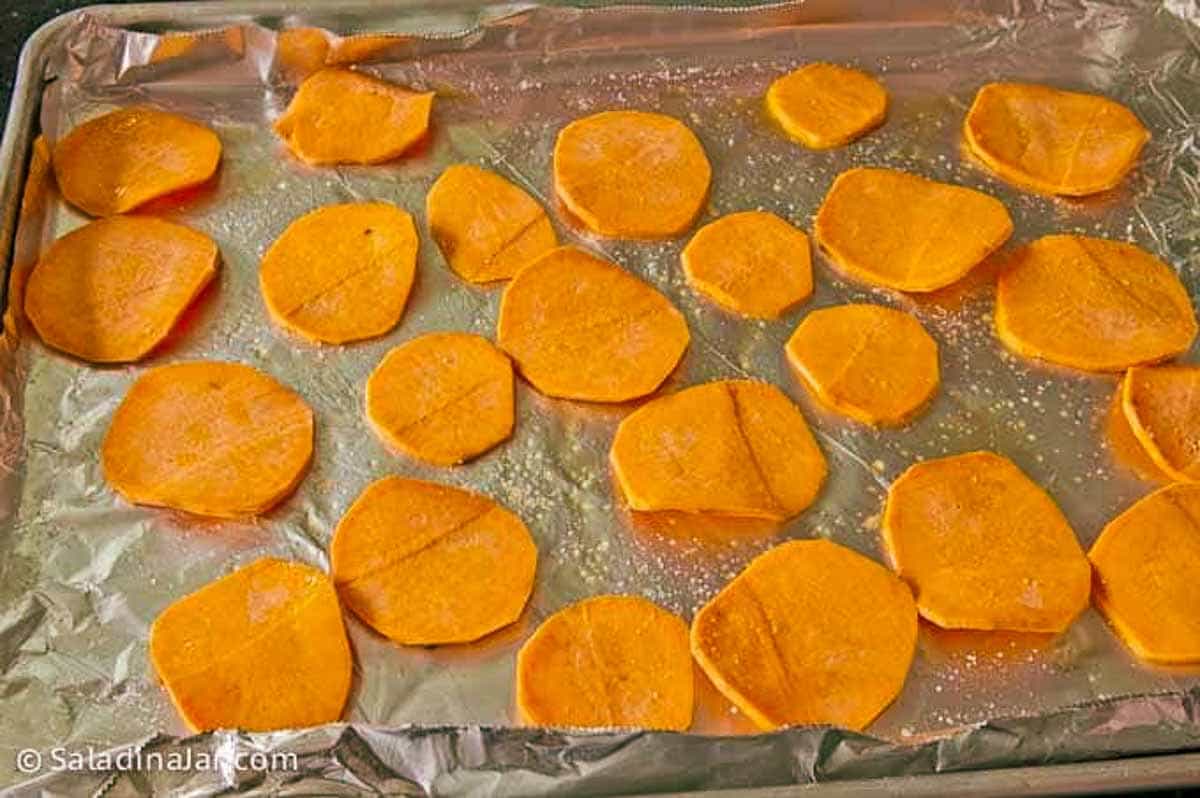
83,574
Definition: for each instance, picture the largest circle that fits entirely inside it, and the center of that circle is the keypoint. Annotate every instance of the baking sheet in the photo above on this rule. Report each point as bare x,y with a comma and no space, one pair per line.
82,574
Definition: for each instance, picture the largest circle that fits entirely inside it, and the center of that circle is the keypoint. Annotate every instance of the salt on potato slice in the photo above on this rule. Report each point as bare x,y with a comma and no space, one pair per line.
984,547
608,662
340,116
123,159
579,327
1147,563
897,230
442,398
206,437
429,564
261,649
631,174
825,105
341,273
873,364
753,263
809,633
112,290
1162,407
486,227
1053,141
1092,304
738,447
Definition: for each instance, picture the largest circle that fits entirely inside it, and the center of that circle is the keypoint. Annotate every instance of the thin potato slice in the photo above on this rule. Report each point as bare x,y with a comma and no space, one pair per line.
299,52
739,447
112,290
1053,141
610,662
1124,447
427,564
216,439
1162,407
340,116
897,230
984,547
116,162
342,272
1147,563
825,105
870,363
631,174
261,649
442,398
809,633
753,263
580,327
1092,304
486,227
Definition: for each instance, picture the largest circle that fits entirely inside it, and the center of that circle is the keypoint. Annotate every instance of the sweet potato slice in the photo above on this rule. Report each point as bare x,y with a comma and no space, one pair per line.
112,290
1092,304
342,272
1162,406
217,439
1124,447
1053,141
340,116
738,447
870,363
607,661
299,52
116,162
753,263
984,547
825,105
486,227
261,649
1147,563
897,230
809,633
631,174
580,327
442,398
426,564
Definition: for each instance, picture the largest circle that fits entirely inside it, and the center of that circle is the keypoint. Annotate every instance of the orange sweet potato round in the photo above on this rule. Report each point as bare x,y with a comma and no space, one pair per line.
116,162
825,105
217,439
112,290
261,649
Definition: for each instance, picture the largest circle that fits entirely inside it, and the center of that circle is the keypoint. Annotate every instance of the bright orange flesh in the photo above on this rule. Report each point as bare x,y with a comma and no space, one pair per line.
261,649
1147,563
738,447
579,327
112,290
753,263
217,439
631,174
442,398
486,227
301,51
342,272
116,162
1092,304
1162,407
809,633
610,662
870,363
897,230
825,105
1053,141
984,547
426,564
340,116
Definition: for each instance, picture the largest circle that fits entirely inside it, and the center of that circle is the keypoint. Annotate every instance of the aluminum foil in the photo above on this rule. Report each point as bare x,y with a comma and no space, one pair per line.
83,574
